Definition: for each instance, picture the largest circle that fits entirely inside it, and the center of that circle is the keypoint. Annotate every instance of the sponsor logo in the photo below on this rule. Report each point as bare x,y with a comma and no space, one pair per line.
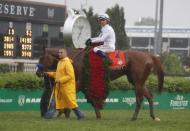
6,100
179,102
81,100
112,100
129,100
32,100
23,100
154,103
108,100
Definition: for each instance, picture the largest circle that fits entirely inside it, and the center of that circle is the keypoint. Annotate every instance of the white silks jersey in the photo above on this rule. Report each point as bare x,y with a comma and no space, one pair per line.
107,36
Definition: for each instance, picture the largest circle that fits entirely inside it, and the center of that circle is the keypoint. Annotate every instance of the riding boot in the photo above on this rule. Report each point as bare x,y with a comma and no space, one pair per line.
103,54
78,113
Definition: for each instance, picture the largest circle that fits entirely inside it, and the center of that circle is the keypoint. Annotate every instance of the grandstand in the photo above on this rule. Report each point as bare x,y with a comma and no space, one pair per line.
175,39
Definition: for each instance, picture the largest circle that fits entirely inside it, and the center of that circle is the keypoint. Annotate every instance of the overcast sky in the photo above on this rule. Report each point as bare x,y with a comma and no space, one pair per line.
176,12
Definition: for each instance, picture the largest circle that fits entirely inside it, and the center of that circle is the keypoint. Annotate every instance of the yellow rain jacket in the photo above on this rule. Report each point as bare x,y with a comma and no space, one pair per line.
65,91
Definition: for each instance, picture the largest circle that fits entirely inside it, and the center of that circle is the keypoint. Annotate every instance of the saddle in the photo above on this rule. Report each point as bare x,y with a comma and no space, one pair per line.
117,57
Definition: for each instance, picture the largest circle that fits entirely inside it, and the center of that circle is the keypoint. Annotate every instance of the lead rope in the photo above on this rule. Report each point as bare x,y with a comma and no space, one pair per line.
53,91
58,93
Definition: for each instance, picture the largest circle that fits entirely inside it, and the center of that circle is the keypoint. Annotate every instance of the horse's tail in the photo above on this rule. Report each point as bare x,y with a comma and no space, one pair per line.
158,69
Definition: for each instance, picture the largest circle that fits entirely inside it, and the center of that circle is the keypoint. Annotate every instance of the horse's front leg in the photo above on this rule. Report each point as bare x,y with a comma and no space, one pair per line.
97,111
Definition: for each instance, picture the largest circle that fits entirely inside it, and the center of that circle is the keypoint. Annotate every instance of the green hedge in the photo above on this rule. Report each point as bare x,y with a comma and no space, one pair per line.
171,84
20,81
31,81
4,68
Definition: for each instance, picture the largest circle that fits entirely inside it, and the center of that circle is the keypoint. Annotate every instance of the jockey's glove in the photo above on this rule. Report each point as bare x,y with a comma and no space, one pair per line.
88,42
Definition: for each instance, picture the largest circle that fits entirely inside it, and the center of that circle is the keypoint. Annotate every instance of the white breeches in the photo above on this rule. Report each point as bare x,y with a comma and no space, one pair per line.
103,48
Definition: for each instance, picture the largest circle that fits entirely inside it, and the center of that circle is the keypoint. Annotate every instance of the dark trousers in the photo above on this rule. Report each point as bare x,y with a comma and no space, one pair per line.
45,101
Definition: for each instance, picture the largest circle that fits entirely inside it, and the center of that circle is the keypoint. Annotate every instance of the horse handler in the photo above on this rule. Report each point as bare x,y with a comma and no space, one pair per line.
65,90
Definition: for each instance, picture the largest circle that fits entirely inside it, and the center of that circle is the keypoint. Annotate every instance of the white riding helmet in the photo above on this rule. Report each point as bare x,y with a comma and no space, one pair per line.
104,16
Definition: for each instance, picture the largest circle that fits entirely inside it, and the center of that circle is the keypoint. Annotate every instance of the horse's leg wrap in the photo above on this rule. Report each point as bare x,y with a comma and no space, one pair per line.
151,112
151,107
149,96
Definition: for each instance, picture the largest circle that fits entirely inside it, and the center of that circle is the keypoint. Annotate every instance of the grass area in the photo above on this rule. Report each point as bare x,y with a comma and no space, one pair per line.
112,120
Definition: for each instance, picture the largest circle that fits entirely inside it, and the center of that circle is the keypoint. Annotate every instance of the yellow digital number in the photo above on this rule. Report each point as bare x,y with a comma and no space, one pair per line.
11,32
8,39
26,47
29,40
26,54
8,53
8,46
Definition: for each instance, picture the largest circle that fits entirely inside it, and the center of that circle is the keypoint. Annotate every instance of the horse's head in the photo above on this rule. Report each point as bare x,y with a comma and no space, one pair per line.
46,63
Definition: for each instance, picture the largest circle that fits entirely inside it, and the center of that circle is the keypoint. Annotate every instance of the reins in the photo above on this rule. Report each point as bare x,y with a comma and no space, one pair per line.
83,50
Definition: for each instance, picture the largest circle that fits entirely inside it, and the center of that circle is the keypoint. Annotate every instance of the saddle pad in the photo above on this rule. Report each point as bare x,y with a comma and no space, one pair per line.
117,57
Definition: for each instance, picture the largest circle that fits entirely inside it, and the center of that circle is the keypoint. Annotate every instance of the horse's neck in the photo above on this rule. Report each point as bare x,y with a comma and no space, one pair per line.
75,54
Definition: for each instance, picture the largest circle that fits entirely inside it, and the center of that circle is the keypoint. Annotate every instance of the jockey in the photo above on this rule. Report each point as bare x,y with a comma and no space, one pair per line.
107,37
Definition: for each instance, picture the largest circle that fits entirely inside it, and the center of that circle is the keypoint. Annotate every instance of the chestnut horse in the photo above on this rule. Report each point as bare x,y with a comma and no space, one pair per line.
139,66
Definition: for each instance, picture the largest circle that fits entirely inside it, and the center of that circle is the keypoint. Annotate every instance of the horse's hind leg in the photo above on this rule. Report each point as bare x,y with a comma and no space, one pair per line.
139,99
150,101
149,97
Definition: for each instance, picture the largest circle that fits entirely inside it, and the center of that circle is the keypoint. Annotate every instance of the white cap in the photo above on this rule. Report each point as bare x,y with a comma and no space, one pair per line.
104,16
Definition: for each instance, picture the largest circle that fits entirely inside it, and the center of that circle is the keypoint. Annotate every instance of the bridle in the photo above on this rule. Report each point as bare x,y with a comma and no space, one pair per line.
41,67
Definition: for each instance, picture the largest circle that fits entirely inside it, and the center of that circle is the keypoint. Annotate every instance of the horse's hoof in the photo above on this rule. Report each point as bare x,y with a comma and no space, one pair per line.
133,119
157,119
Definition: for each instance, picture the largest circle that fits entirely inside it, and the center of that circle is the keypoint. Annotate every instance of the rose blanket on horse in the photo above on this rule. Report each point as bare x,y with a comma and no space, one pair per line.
95,77
96,72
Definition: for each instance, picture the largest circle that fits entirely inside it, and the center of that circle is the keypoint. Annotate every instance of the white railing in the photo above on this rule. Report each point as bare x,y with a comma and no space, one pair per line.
16,65
12,66
30,67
